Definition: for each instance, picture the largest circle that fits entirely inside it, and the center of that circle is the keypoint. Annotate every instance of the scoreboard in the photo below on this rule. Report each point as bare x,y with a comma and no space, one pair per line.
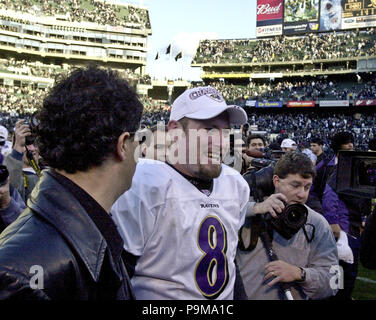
276,17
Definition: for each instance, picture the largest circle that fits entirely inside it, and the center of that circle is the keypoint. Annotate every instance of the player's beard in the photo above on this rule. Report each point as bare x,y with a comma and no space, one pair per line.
208,171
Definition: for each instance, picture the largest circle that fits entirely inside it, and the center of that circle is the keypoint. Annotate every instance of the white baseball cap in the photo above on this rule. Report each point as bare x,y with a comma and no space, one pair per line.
288,143
205,103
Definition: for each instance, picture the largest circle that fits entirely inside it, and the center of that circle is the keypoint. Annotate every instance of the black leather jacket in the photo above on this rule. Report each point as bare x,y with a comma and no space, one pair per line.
56,234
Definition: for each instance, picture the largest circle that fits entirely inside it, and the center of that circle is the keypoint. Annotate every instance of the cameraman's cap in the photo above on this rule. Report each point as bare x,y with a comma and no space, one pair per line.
205,103
288,143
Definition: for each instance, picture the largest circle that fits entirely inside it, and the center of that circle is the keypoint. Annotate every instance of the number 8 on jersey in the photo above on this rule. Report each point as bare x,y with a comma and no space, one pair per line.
211,272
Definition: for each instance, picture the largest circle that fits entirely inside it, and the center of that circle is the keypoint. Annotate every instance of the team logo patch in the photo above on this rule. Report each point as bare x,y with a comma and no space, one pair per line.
209,92
215,97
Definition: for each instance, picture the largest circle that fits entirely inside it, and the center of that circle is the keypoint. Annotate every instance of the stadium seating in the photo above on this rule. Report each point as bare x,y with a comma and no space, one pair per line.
83,10
282,48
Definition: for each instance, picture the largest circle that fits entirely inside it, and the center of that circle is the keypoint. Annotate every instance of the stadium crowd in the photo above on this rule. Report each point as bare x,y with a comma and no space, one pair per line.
334,45
298,126
84,10
50,71
19,102
310,88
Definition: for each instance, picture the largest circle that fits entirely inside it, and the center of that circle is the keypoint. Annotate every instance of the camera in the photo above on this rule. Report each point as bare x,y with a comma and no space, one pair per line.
260,181
264,157
32,123
4,174
358,174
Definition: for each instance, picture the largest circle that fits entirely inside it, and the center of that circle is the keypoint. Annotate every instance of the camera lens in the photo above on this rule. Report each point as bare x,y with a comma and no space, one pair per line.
294,216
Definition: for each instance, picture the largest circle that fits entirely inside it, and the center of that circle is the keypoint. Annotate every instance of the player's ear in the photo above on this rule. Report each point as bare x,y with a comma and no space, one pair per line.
122,146
276,181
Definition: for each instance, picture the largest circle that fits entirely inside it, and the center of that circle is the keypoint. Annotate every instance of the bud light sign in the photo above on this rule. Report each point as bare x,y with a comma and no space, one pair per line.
269,17
269,9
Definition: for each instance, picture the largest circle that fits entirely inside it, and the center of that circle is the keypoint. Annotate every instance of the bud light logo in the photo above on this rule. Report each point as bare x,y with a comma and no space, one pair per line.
269,9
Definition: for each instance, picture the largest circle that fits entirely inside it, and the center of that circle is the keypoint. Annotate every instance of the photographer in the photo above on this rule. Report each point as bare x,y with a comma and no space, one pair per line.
306,254
5,145
11,203
22,175
256,144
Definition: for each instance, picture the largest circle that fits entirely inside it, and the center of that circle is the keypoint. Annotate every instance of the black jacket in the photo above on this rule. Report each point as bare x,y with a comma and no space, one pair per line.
56,234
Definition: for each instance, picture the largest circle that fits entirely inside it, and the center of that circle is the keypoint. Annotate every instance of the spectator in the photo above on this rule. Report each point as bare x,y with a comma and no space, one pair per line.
319,182
288,145
304,148
256,144
19,162
85,136
5,145
11,203
317,148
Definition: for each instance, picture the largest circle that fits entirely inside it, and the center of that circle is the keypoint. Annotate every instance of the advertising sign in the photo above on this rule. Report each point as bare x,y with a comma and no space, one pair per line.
269,18
301,16
269,104
294,104
250,103
369,102
334,103
358,14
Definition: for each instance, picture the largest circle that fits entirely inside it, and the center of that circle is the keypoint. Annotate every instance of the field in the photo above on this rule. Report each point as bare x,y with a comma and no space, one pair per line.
365,290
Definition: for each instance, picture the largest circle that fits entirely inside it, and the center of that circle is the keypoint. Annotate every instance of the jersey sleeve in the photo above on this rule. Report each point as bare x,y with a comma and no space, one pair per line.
135,221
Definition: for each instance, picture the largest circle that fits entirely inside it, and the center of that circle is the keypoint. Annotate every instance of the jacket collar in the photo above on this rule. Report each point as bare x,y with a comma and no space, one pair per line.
60,208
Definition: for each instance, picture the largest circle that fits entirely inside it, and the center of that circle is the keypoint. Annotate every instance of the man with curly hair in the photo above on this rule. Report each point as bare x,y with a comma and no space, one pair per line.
65,244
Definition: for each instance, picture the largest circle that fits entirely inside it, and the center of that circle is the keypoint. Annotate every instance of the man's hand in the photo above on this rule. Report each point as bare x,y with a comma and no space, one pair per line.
282,271
21,131
5,198
247,159
274,205
336,230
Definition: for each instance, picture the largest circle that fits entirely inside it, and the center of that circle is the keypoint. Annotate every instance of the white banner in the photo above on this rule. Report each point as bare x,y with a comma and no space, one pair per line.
265,31
250,103
335,103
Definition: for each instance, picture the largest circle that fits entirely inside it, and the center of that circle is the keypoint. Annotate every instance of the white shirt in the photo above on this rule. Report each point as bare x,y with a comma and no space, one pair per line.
186,240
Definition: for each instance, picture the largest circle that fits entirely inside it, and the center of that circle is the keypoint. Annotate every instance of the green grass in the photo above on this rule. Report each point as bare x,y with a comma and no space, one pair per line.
364,290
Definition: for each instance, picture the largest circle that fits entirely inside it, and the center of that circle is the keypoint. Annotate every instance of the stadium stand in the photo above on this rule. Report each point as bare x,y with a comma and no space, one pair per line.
41,39
312,67
334,45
